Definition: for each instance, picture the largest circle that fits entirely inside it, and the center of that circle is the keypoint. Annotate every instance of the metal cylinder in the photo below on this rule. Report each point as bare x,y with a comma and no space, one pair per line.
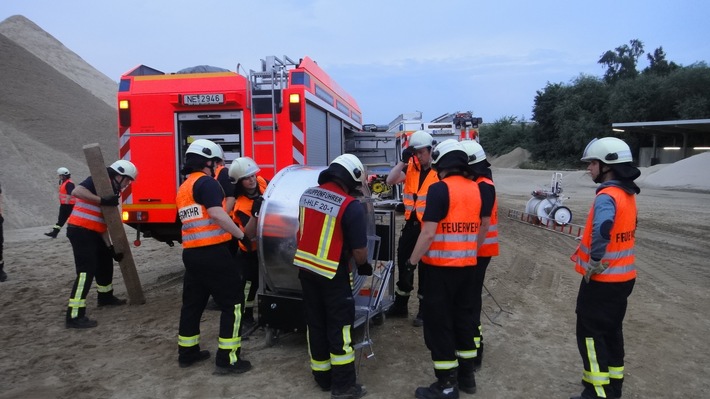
278,227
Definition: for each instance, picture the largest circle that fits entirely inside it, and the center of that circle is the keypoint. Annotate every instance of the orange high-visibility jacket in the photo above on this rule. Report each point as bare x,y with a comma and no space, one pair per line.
243,205
198,229
490,245
620,250
64,197
320,235
87,215
411,190
456,240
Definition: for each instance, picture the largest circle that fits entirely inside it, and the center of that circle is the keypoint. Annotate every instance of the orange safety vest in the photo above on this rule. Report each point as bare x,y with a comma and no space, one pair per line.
87,215
490,245
243,205
455,243
320,235
198,229
64,197
620,250
412,189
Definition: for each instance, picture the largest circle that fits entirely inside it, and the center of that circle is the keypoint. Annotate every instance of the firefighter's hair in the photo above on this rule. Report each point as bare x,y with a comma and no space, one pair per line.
193,163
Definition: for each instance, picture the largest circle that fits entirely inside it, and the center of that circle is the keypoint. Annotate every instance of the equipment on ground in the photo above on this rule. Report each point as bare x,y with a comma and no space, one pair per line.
285,113
545,210
547,205
279,296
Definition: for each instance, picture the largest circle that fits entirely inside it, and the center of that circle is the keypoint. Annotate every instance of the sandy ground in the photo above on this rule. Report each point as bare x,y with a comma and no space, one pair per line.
530,344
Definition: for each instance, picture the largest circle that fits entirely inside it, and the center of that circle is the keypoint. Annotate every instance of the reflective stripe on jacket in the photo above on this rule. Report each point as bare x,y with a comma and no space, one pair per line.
620,250
243,206
64,197
198,229
456,239
490,245
320,235
411,190
87,215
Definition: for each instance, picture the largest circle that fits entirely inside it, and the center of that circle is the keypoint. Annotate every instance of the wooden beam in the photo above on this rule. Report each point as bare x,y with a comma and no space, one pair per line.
112,217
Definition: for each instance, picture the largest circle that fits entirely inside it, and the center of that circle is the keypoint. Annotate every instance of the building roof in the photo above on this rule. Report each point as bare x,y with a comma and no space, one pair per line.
692,126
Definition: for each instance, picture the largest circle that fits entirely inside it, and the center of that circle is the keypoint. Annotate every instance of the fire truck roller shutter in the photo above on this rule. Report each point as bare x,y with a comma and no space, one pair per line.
316,136
335,137
278,227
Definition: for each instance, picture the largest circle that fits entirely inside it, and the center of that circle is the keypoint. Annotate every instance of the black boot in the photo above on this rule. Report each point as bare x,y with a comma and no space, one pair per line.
323,380
418,321
399,308
241,366
352,392
466,377
3,275
188,357
446,387
107,299
54,233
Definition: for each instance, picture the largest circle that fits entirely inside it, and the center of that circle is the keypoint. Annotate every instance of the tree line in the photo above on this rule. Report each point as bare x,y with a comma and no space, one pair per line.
566,116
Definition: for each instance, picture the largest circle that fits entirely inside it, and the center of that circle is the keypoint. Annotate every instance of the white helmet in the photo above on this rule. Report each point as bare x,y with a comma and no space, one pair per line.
125,168
609,150
352,164
206,148
474,151
63,171
449,154
421,139
242,167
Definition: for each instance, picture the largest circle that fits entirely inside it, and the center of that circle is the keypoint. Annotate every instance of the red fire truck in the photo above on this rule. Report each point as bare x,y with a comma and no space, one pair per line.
286,113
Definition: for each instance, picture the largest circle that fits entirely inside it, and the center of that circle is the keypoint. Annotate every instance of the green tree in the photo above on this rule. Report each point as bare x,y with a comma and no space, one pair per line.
621,63
504,135
658,64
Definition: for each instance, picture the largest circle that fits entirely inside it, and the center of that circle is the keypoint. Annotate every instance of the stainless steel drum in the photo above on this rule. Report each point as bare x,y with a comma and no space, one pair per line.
278,226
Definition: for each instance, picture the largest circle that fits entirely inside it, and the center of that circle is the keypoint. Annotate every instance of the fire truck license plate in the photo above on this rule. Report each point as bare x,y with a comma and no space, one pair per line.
202,99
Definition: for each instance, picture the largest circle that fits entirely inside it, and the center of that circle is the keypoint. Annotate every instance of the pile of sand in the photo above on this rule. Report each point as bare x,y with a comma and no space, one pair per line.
512,159
687,174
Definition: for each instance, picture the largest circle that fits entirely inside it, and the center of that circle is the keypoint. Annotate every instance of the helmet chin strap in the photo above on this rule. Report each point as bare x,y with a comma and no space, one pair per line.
602,173
211,165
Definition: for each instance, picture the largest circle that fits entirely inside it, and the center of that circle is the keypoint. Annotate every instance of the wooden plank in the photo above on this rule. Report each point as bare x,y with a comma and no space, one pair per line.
112,216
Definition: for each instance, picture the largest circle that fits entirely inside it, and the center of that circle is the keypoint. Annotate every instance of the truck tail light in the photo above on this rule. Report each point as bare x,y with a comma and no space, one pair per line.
124,112
294,107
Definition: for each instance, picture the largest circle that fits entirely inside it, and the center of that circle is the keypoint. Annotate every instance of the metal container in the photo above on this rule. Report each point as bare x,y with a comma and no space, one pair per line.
278,227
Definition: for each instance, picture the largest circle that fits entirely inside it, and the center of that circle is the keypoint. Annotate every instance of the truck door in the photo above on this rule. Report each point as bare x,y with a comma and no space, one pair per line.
224,128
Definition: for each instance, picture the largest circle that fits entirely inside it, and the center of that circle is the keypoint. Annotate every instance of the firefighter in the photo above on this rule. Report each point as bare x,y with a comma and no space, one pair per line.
415,171
479,170
605,257
3,275
221,174
447,247
93,252
66,200
248,191
332,231
209,258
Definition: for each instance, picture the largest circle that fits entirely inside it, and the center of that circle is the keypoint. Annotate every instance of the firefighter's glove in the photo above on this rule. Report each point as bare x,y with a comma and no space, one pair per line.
117,256
110,200
407,154
256,206
406,279
595,267
365,269
409,267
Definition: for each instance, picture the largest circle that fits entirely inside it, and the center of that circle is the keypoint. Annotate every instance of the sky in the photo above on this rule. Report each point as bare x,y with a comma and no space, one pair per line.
392,56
